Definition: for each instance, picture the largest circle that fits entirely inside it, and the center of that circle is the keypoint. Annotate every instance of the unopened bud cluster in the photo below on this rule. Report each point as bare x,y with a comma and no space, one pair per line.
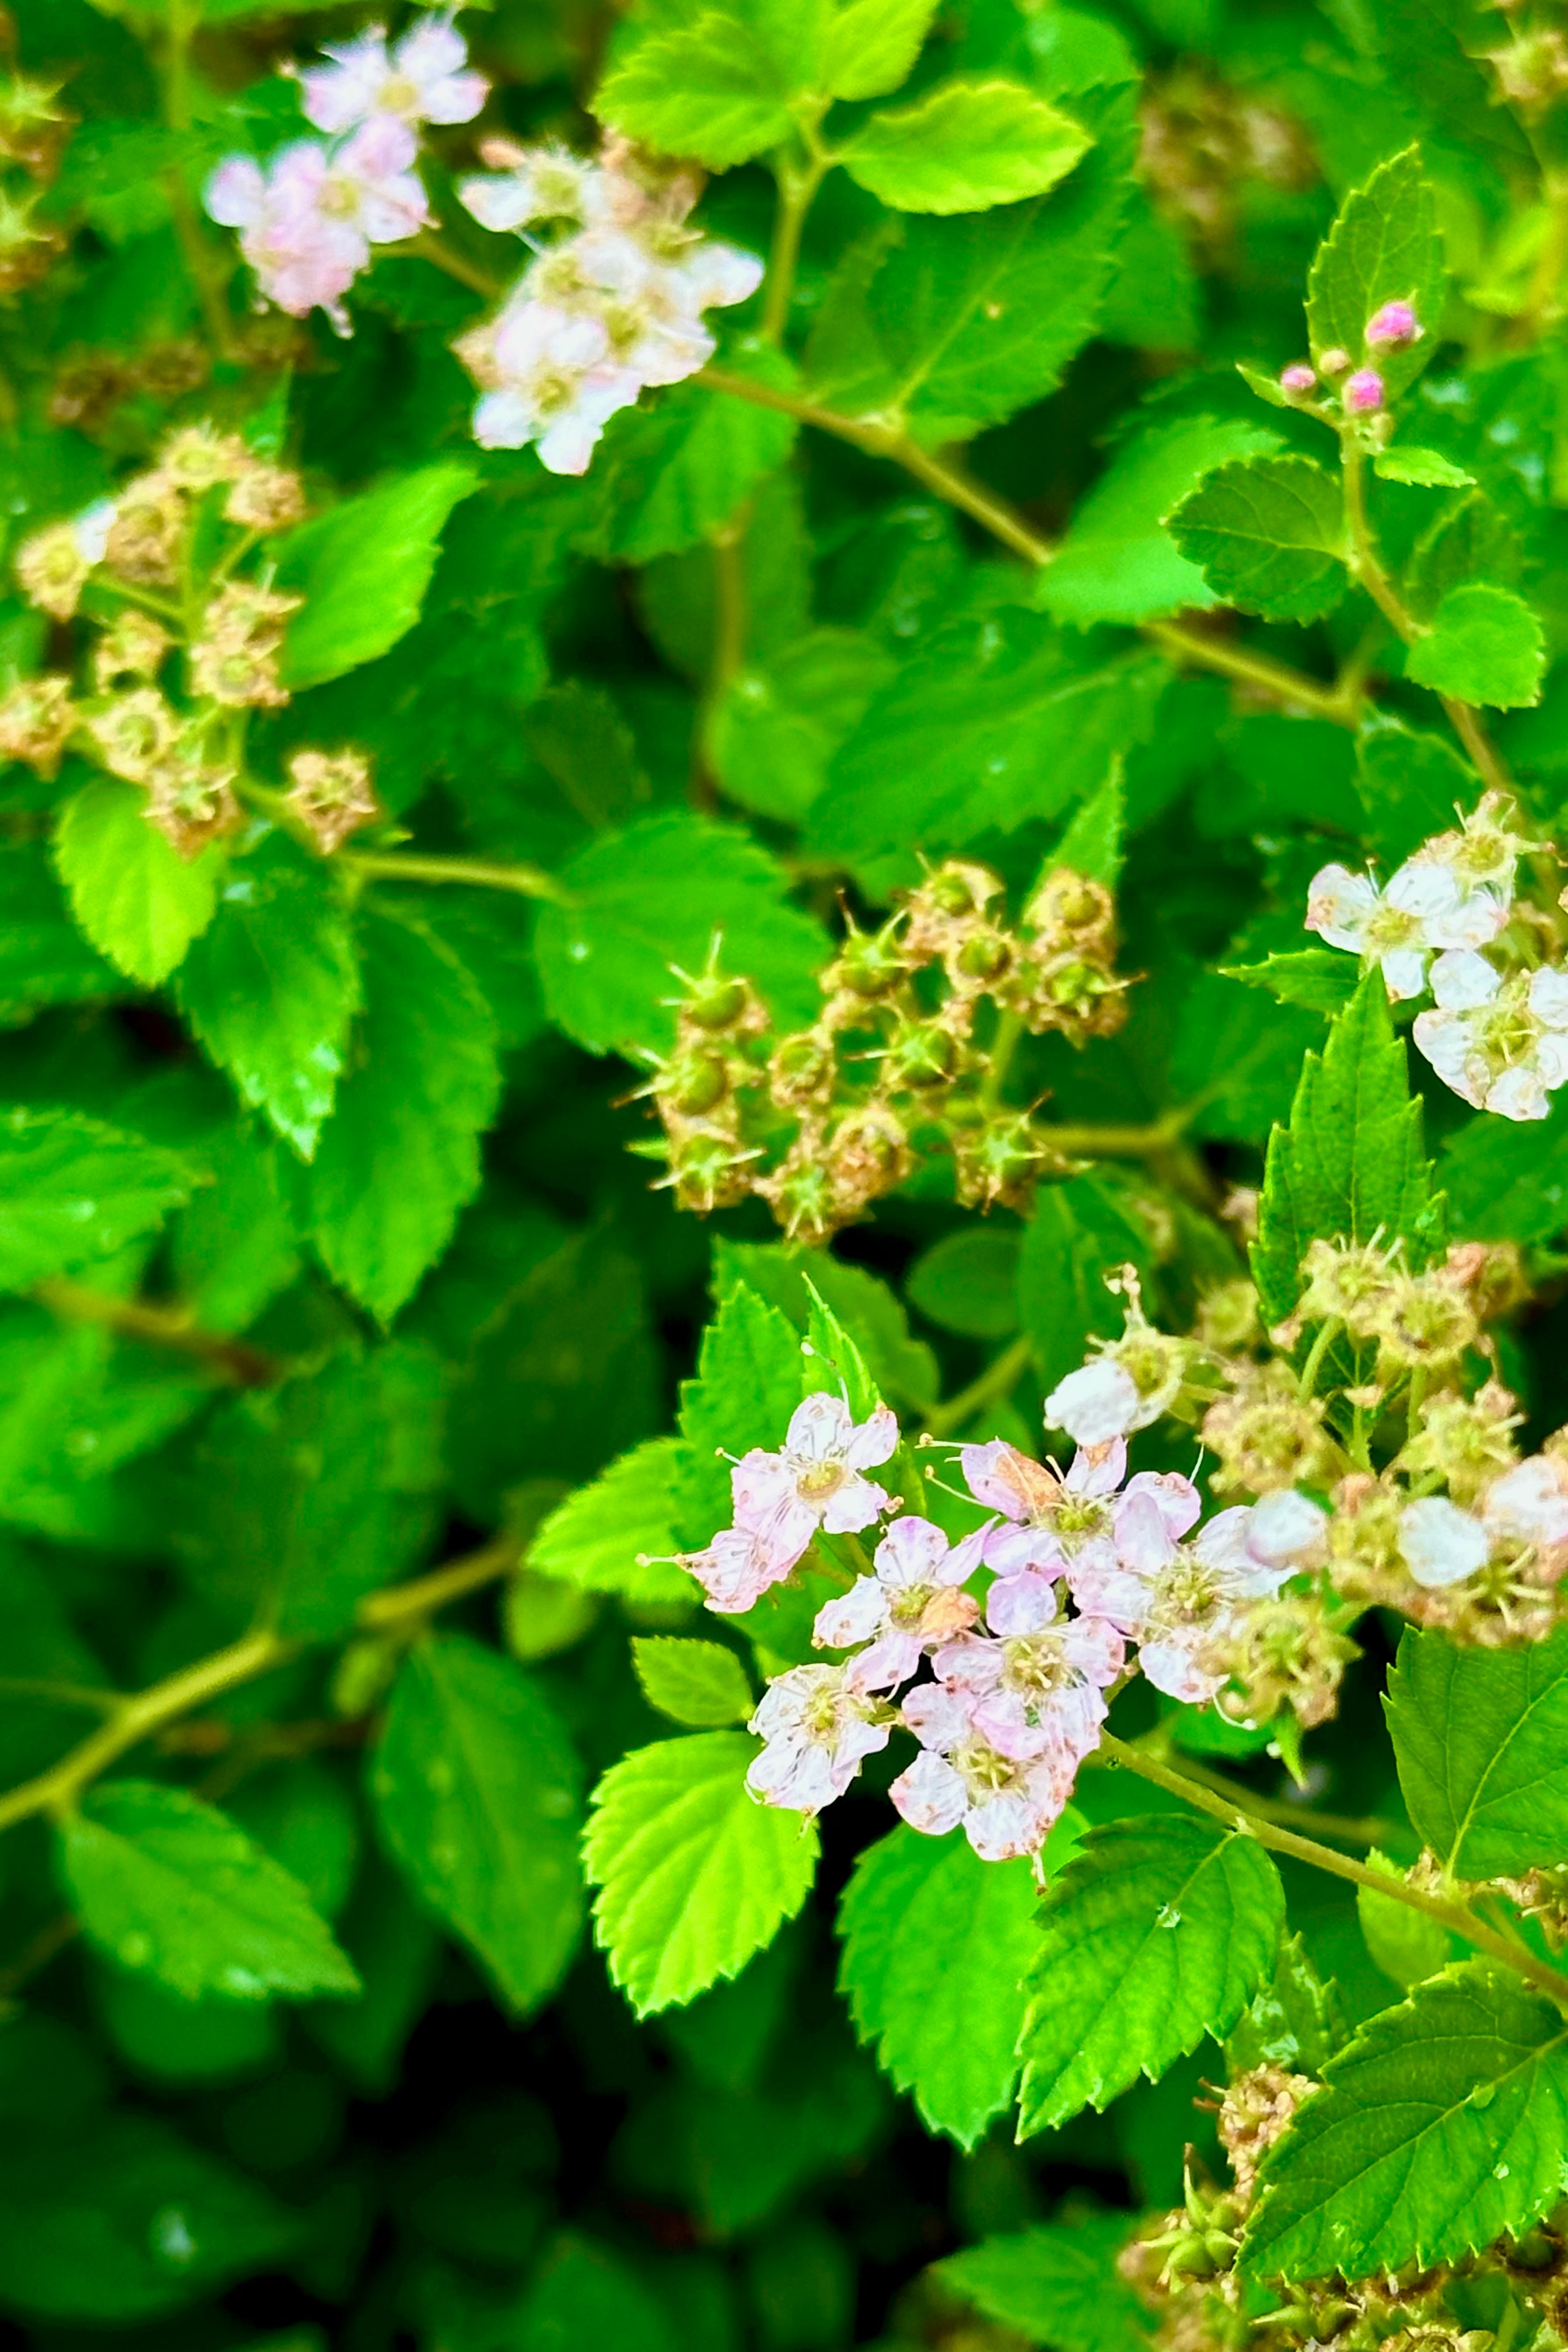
1352,389
185,646
821,1122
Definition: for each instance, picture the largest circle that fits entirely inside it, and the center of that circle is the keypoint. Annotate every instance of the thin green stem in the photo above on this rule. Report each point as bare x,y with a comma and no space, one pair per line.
83,1694
1116,1142
999,1060
993,514
798,183
1307,1381
998,1380
402,1605
168,1327
208,270
1339,704
432,248
1249,1819
1346,1828
483,872
728,650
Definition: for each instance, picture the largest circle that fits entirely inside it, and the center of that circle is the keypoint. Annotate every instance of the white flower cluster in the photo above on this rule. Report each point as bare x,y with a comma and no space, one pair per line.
613,302
306,222
1499,1032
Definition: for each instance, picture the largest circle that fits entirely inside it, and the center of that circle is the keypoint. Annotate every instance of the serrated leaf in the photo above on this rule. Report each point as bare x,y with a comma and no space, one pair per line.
72,1189
936,1946
870,45
1441,2127
698,1682
400,1155
44,959
750,1375
1080,1232
171,1888
1158,1934
1350,1164
1484,645
655,895
671,472
964,147
477,1792
1116,561
138,901
272,984
1093,844
1269,536
362,569
1384,246
1480,1737
1407,1945
715,89
1425,469
595,1538
1057,2283
1323,979
904,1368
693,1875
1292,2022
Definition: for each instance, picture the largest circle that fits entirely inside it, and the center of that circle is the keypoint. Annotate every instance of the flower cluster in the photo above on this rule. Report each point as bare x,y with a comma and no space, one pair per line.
182,746
796,1120
308,220
1498,1029
1358,387
614,302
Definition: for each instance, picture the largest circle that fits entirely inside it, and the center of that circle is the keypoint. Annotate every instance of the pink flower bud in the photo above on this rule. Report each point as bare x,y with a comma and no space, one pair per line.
1297,377
1391,327
1333,362
1363,391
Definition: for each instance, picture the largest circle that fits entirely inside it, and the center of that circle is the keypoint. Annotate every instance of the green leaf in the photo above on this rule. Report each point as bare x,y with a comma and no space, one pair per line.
1057,2283
1350,1164
594,1540
271,986
936,1946
1441,2127
700,1683
1292,2023
1405,1944
1116,561
1384,246
1508,1182
1159,1933
903,1368
477,1792
963,147
1080,1232
750,1375
1480,1737
139,902
1425,469
1094,843
172,1888
1323,979
654,897
716,88
693,1875
968,1282
44,959
1268,535
73,1190
778,724
871,44
362,569
125,2220
1485,645
402,1153
671,474
1410,785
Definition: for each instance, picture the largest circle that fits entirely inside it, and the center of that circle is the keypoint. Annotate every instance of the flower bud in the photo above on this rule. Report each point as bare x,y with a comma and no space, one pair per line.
1333,362
1392,327
802,1070
872,964
1266,1436
129,652
134,733
265,498
1298,379
1363,394
707,1171
147,533
52,569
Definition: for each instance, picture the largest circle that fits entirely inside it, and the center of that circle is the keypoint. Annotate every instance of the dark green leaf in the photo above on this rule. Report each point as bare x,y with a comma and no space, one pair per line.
1057,2283
44,959
968,1282
1080,1232
1410,787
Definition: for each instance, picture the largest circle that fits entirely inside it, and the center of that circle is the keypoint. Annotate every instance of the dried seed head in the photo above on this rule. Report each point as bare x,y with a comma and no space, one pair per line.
332,793
38,719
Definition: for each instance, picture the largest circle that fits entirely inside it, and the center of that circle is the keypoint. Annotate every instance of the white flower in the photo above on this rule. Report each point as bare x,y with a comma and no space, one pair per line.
737,1568
1005,1806
307,223
1484,854
1439,1543
92,528
1096,1405
915,1599
1176,1599
423,77
1426,907
817,1731
1528,1503
1040,1684
556,385
1501,1043
817,1479
540,184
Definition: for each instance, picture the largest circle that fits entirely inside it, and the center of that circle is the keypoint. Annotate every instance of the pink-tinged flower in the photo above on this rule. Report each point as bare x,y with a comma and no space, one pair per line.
1298,378
307,223
1178,1600
915,1599
1528,1503
1439,1543
1425,909
1039,1685
1052,1518
1363,391
737,1568
818,1731
554,385
816,1480
1005,1807
1501,1043
1394,326
423,77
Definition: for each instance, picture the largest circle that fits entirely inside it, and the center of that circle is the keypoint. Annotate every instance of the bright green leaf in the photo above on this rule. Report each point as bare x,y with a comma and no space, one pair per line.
362,569
1384,246
698,1682
1485,644
1480,1737
1406,1943
1116,561
1425,469
595,1538
714,88
72,1189
1268,535
963,147
871,44
1057,2283
1323,980
139,903
750,1377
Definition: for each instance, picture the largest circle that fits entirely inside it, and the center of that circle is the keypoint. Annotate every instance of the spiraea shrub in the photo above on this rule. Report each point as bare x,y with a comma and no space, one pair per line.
783,1176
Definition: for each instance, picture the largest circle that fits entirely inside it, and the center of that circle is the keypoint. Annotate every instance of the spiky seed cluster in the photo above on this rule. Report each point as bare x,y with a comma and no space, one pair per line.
822,1121
33,131
178,743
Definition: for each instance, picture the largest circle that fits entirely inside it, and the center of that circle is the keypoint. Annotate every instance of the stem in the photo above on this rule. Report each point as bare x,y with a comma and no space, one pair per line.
212,287
993,513
799,184
83,1694
1349,1829
1339,704
1122,1142
1003,1045
728,651
161,1327
1307,1382
1247,1819
998,1380
422,1595
394,865
432,248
